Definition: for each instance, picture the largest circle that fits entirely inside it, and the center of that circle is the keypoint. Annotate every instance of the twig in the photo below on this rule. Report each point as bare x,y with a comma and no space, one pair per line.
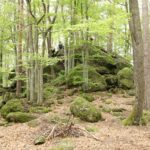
51,135
91,135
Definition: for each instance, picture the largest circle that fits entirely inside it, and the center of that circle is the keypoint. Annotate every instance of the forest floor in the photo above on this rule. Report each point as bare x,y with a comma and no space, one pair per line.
112,134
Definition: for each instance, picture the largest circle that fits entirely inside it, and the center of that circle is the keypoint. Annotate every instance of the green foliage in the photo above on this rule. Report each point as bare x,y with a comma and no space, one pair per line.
12,106
60,80
85,110
19,117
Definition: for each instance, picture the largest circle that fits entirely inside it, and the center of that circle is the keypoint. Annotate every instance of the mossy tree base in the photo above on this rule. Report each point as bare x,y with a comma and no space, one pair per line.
132,120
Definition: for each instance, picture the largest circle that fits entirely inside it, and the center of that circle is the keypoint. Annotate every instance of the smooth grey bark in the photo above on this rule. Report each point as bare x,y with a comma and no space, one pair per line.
138,54
146,40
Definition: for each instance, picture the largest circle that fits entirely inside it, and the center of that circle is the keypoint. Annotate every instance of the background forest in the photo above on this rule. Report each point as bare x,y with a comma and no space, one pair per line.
80,62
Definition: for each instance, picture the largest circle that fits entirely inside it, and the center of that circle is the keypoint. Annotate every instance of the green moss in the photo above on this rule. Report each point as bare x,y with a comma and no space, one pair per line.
125,78
104,59
39,109
118,109
88,97
11,106
121,63
19,117
132,121
117,114
60,80
63,145
39,140
108,101
111,80
106,109
91,129
102,70
85,110
146,116
131,92
49,91
56,119
96,81
33,123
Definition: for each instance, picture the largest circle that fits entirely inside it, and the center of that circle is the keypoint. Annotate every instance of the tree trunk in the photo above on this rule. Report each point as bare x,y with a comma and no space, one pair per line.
146,42
138,54
20,47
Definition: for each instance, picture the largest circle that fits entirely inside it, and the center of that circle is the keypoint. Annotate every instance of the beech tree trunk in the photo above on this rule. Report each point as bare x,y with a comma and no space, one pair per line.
138,54
20,48
146,38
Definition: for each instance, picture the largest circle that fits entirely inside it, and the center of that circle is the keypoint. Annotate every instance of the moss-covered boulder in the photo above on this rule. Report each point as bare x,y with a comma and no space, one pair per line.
102,70
111,80
19,117
85,110
121,63
125,78
14,105
103,58
39,140
96,81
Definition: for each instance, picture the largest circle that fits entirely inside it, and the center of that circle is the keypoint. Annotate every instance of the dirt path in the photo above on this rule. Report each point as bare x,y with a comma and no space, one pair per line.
112,134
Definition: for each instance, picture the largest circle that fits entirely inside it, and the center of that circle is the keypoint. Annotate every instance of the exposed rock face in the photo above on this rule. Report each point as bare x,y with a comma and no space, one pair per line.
104,71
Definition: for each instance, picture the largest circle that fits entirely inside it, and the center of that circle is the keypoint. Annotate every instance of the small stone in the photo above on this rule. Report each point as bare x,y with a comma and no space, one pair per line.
39,140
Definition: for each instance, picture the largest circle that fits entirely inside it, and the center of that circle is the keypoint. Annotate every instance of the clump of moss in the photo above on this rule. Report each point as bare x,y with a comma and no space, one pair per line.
125,78
39,109
12,106
19,117
88,97
85,110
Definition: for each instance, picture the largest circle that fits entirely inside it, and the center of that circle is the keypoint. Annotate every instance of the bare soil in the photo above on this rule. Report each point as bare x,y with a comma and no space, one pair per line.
112,134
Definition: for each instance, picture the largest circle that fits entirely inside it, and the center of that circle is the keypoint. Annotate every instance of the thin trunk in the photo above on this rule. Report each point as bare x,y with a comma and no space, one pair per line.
20,47
137,42
146,38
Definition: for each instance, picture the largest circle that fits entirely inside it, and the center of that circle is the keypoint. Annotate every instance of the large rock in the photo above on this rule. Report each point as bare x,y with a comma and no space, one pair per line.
85,110
96,81
19,117
11,106
125,78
